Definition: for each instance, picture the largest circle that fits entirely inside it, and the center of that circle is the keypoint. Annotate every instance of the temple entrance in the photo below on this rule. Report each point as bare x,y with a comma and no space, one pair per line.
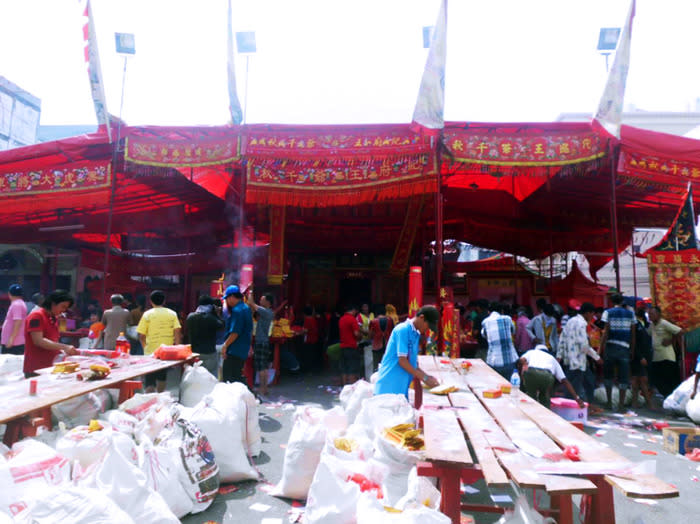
355,291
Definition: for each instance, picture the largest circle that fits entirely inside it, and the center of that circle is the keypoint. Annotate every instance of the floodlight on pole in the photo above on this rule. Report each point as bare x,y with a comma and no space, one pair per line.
245,42
607,42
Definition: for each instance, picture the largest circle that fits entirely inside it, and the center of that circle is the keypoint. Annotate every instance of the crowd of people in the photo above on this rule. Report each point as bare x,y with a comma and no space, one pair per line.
579,348
636,349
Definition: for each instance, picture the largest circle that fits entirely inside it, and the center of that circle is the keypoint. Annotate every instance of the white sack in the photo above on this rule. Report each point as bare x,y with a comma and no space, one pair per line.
77,506
399,462
303,452
222,418
228,397
28,472
79,411
161,471
383,411
677,401
692,409
196,383
371,511
421,493
352,395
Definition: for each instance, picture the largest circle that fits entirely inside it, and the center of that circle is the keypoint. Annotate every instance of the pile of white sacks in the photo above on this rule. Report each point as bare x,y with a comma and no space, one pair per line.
680,403
344,487
152,461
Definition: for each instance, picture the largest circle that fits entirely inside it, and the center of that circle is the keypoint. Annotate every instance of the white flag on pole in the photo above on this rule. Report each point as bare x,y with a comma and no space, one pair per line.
609,113
233,103
92,60
430,106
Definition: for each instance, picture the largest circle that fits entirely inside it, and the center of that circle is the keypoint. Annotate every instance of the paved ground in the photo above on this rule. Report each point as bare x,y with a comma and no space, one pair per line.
628,435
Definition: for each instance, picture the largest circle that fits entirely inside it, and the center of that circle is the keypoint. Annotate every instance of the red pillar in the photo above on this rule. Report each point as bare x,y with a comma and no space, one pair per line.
415,289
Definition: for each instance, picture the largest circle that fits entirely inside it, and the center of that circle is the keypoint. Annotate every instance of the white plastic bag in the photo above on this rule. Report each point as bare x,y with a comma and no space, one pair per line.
371,511
399,462
352,395
223,419
421,493
601,397
197,470
11,368
77,506
363,449
677,401
302,454
692,409
227,397
161,470
84,446
28,472
123,482
79,411
120,421
332,497
196,383
382,411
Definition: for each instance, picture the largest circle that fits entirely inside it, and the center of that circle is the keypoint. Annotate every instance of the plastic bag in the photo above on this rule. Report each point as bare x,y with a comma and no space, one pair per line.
399,462
228,395
382,411
420,493
601,397
79,411
222,418
332,498
523,514
85,446
692,408
77,506
11,368
677,401
122,481
27,472
196,383
302,455
371,511
352,395
120,421
175,352
197,470
161,469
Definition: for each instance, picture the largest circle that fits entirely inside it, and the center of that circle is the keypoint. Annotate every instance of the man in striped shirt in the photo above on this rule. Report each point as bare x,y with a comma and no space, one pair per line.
617,348
498,330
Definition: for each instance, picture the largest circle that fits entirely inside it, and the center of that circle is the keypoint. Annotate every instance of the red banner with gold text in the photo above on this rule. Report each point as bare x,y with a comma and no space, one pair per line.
674,278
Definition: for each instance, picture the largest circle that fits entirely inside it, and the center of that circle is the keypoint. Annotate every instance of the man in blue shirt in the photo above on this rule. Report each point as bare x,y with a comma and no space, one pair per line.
239,334
400,362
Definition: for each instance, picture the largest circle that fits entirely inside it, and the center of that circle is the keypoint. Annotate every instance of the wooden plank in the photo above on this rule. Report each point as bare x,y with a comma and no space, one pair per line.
427,363
643,486
561,485
481,376
522,431
51,389
490,468
432,401
444,440
566,434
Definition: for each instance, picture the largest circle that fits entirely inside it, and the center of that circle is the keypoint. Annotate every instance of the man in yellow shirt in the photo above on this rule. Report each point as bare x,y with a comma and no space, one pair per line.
159,325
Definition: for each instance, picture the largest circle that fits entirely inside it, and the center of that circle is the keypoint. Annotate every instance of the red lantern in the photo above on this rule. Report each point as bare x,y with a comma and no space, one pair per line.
415,289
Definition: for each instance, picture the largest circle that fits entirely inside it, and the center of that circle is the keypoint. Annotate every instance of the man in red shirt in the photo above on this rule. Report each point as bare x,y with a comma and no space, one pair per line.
41,333
350,357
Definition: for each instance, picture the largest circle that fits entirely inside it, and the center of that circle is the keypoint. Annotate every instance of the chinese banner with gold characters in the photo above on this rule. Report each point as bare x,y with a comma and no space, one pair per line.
674,278
415,289
275,262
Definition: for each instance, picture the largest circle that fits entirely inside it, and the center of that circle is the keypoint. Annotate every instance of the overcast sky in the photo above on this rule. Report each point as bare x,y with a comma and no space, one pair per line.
340,61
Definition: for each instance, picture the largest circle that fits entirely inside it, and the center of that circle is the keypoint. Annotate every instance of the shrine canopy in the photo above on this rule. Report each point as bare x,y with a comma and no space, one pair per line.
578,286
537,189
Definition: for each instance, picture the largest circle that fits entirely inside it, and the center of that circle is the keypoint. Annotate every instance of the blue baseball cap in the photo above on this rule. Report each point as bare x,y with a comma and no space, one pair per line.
16,290
232,290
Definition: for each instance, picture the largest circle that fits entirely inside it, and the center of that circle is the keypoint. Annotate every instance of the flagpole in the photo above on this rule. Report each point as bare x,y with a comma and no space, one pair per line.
612,151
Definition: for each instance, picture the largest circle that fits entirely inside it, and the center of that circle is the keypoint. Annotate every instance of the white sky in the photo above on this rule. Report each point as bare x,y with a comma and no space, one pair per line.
347,61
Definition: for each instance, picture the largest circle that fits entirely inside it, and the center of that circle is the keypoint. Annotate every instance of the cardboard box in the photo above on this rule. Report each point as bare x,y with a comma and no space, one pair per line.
568,409
492,393
681,439
505,389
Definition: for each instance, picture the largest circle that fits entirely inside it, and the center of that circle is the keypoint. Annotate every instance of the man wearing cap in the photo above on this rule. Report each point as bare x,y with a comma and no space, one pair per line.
400,362
574,347
12,337
239,335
